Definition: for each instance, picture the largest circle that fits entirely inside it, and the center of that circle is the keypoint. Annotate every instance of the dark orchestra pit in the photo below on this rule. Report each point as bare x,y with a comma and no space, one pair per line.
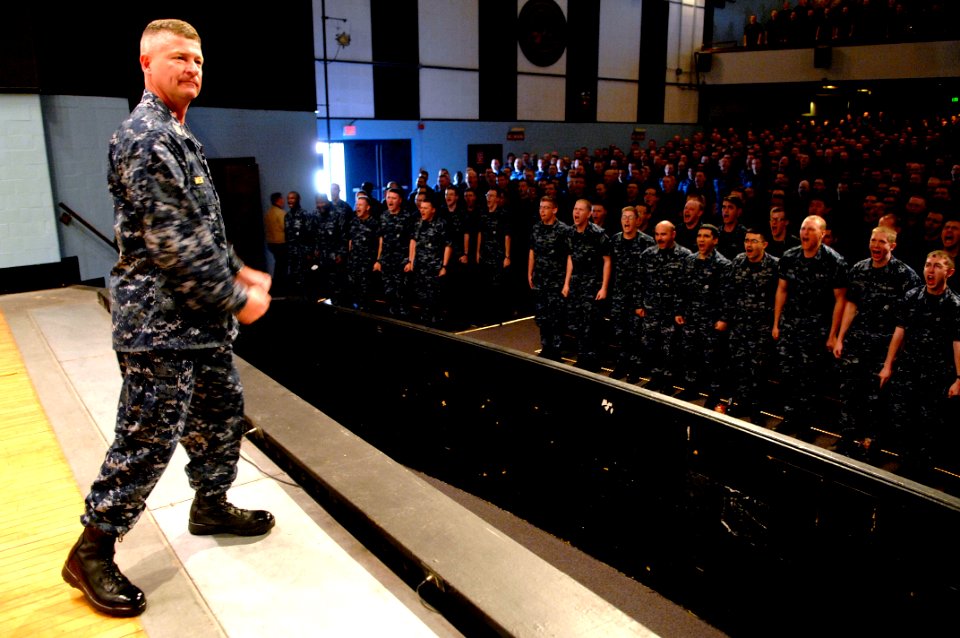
756,532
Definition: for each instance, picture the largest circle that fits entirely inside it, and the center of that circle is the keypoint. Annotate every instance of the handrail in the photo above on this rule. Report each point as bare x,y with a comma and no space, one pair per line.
69,214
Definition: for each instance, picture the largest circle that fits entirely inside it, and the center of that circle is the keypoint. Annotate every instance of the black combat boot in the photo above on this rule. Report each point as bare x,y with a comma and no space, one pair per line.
214,515
90,568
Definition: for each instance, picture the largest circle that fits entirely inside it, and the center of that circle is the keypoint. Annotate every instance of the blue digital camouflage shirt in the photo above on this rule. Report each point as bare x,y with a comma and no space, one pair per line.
625,278
811,284
750,293
587,250
550,248
661,279
878,294
701,293
174,285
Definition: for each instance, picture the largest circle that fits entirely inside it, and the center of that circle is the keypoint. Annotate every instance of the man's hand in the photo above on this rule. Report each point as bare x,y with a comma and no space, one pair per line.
885,373
838,349
954,389
250,277
258,301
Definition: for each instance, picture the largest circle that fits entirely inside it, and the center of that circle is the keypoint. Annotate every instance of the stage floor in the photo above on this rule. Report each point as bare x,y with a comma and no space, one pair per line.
307,577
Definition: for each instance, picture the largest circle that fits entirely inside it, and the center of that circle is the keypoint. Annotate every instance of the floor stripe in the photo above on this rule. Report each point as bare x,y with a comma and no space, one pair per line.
39,518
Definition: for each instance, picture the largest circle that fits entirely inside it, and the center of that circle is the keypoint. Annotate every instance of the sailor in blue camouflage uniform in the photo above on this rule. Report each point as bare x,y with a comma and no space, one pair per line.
428,260
747,311
661,267
363,239
493,259
178,291
331,227
396,228
925,383
586,285
698,314
546,272
806,319
877,286
301,231
626,248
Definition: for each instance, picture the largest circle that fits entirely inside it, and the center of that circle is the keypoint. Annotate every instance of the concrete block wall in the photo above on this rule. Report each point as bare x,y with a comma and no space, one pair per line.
78,131
28,233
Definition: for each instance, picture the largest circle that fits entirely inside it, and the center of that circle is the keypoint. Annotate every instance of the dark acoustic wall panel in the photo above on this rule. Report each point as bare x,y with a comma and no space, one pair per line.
396,56
654,27
497,22
583,57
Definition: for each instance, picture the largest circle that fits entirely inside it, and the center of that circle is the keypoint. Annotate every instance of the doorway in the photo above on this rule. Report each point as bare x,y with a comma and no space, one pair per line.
377,162
238,185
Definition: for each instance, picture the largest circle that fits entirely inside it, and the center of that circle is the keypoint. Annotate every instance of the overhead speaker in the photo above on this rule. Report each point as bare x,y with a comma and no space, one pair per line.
822,57
703,61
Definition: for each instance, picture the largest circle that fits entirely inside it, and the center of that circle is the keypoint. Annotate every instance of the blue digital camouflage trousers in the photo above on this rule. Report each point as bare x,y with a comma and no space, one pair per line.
550,316
191,397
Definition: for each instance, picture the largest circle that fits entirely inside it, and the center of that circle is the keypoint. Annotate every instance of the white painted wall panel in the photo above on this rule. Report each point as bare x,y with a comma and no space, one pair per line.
619,39
685,35
447,94
616,101
541,98
449,35
680,105
351,90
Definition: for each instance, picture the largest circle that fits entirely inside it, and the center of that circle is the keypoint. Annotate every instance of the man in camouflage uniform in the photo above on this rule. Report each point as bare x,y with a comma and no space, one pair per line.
747,314
363,236
493,259
732,231
330,227
394,247
627,246
300,228
178,291
428,259
586,284
454,215
699,307
546,270
661,267
877,286
806,318
926,383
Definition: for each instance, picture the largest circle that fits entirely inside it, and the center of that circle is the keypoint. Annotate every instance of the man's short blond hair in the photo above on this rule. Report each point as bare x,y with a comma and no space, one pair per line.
944,255
890,233
170,25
